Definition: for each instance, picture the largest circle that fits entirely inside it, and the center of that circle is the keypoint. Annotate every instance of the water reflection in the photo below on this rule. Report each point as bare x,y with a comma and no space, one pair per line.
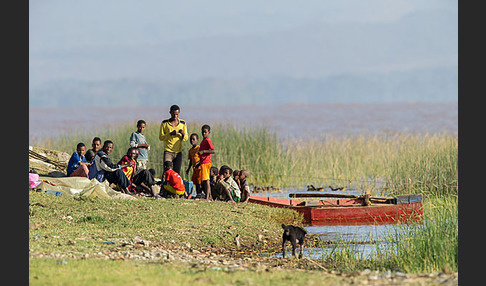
362,241
284,120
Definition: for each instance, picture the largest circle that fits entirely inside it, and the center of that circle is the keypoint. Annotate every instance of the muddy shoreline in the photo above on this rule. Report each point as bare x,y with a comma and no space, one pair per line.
230,260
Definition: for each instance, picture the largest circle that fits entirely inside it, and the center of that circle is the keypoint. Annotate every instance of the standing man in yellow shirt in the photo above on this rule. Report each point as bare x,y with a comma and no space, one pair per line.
173,132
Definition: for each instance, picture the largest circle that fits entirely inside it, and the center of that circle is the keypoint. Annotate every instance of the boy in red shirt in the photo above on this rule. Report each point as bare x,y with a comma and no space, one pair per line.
172,181
206,148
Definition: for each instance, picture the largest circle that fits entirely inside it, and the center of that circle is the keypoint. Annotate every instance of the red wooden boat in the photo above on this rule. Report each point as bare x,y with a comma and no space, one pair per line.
350,209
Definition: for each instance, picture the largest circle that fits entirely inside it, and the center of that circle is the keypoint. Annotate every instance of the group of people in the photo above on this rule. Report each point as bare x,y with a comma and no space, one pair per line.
128,175
131,176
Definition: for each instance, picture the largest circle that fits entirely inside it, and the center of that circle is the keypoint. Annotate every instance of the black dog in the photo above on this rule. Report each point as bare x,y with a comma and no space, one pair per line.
293,234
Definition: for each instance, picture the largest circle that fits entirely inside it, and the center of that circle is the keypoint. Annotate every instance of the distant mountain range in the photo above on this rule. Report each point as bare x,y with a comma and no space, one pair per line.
439,84
412,59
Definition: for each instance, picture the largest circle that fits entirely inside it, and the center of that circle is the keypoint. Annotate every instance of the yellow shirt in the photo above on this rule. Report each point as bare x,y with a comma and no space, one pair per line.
173,143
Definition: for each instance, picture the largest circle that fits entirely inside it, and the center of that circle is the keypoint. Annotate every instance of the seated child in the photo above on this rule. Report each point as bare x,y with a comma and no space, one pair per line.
130,163
244,186
172,183
141,180
107,170
77,165
90,154
236,177
213,174
96,144
226,188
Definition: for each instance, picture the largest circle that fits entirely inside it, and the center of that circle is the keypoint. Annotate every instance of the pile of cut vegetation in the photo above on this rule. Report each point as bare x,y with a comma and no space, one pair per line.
48,162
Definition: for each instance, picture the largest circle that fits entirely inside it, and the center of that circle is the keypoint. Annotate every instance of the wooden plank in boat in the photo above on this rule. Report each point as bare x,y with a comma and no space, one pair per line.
311,203
406,199
383,200
310,195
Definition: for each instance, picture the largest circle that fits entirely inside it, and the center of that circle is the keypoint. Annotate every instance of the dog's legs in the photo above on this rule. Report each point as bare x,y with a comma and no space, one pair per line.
283,248
294,245
301,250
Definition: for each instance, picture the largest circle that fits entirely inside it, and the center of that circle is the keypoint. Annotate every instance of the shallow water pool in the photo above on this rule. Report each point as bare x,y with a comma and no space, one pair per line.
363,241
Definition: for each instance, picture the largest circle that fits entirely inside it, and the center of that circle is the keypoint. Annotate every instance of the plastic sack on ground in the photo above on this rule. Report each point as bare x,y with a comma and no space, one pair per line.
81,187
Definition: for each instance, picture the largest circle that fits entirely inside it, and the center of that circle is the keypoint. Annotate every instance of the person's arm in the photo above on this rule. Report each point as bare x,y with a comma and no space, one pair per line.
125,162
235,186
83,161
134,142
164,134
220,180
237,181
206,152
189,167
128,164
184,135
73,163
211,147
246,187
107,165
136,145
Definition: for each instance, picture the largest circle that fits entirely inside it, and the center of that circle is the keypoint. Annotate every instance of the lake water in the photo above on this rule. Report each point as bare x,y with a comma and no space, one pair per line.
289,121
364,240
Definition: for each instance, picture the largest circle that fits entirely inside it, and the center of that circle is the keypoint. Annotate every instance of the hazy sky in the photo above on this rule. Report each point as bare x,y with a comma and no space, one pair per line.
112,39
55,24
193,40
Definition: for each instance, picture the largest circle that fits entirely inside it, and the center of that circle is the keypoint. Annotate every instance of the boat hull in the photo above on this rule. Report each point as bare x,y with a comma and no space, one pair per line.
351,212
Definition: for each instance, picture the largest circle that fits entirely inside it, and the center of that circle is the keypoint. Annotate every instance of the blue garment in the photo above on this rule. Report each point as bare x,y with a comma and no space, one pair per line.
73,162
94,173
139,138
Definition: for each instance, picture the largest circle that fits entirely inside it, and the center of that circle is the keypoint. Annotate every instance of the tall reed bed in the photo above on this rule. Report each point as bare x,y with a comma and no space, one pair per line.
429,246
400,163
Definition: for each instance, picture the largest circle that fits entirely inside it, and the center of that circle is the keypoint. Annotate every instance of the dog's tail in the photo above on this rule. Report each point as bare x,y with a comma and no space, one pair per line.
283,226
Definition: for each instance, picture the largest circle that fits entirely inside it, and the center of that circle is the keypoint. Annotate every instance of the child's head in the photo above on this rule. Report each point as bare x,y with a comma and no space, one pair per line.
213,171
108,146
205,130
96,144
226,171
236,173
90,154
194,139
132,153
81,148
152,171
141,125
168,165
244,174
174,111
